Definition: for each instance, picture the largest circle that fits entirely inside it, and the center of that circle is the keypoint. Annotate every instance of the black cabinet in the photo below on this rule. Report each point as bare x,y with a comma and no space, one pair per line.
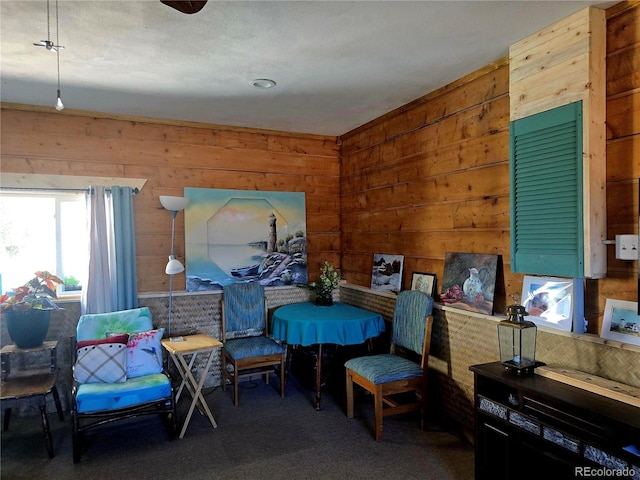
529,427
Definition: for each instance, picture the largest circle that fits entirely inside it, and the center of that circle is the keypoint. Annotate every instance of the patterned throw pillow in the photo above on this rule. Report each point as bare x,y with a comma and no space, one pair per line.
144,353
102,361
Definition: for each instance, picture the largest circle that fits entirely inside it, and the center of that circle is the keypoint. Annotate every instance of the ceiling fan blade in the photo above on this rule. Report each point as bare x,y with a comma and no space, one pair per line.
41,43
187,6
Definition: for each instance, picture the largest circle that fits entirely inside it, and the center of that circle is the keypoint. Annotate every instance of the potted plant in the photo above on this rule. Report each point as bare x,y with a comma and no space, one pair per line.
329,281
27,310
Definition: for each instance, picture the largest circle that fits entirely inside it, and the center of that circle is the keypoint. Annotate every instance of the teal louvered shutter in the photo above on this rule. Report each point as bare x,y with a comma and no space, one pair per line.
546,193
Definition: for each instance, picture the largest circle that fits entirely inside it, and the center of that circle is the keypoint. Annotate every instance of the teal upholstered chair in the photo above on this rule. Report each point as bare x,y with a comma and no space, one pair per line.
402,370
118,372
247,348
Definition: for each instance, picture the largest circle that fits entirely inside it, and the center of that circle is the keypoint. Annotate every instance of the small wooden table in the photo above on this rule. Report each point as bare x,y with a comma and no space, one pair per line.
35,382
179,350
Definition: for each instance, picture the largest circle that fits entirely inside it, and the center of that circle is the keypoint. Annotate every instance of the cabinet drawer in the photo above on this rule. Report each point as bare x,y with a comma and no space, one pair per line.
492,407
564,420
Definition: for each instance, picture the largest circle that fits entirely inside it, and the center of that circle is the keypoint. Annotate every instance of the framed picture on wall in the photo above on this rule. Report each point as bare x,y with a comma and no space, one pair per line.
386,275
425,282
469,281
621,321
554,302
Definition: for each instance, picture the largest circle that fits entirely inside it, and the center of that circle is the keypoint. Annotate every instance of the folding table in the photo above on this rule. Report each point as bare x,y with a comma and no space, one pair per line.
179,350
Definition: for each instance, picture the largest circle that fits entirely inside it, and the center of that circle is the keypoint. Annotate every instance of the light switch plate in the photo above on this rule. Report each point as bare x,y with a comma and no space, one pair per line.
627,247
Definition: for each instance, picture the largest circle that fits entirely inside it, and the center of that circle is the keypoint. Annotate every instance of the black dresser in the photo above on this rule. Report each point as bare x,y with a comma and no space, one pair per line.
532,427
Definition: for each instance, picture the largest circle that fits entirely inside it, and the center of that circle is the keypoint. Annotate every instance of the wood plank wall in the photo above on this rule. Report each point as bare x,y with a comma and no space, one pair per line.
433,176
174,156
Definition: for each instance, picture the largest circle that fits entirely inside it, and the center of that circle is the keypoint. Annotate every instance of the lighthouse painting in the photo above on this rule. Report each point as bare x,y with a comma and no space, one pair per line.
244,236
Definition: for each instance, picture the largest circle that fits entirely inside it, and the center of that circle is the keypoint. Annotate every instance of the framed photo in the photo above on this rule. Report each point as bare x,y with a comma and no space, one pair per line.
425,282
386,275
554,302
621,321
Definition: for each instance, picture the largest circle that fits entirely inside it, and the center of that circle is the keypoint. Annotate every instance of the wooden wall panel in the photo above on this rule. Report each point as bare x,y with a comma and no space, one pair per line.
443,184
172,157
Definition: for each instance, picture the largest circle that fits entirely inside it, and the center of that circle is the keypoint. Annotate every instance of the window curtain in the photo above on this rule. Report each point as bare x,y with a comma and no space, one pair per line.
110,284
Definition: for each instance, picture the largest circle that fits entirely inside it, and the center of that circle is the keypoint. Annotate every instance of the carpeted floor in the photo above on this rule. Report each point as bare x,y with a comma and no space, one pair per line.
265,437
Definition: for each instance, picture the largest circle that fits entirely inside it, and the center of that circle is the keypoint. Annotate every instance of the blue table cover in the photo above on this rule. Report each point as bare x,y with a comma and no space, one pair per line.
309,324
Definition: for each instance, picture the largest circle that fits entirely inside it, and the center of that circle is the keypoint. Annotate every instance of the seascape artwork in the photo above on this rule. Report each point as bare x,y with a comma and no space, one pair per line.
244,236
386,275
469,281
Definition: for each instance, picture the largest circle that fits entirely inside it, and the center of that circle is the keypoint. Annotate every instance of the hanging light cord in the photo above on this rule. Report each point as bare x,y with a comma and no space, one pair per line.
59,104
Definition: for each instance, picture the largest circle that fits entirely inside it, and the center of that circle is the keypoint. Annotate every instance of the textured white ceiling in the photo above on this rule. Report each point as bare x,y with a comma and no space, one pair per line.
337,64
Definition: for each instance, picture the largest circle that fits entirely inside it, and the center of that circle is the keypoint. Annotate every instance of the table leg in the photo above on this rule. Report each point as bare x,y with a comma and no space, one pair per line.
183,375
56,399
7,418
318,376
195,389
45,429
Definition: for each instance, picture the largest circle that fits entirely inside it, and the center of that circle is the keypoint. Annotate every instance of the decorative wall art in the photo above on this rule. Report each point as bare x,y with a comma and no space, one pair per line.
387,273
425,282
621,321
244,236
469,281
554,302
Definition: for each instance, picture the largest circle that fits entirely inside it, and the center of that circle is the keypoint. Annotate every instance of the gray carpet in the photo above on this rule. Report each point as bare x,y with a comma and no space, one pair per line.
265,437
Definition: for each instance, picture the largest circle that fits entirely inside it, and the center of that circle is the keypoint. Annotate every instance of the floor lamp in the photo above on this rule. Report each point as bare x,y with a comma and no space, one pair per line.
174,266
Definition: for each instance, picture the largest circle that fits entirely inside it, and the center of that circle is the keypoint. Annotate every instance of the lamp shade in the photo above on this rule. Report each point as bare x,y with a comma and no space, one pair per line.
174,204
174,266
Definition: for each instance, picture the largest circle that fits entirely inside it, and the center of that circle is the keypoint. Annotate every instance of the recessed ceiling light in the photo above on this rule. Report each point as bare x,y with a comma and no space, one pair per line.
263,83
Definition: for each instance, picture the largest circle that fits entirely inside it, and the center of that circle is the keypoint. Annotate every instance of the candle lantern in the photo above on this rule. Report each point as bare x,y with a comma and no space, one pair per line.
517,341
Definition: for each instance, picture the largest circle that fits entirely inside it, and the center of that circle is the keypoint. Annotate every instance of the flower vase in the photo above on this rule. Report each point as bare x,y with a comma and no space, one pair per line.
27,329
324,301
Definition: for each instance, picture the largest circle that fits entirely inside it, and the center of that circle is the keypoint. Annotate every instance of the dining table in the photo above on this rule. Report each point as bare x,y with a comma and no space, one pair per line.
307,324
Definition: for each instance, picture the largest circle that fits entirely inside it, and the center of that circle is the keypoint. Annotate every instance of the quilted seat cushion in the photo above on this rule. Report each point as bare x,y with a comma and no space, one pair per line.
92,397
384,368
241,348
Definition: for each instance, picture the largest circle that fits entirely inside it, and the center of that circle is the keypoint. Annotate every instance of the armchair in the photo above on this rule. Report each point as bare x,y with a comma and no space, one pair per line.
247,349
118,373
402,370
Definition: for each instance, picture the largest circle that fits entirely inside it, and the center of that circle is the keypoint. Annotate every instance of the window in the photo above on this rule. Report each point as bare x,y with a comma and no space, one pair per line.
43,231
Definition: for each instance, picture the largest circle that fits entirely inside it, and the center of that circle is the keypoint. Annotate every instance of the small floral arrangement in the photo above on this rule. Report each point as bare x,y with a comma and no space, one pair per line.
36,294
329,281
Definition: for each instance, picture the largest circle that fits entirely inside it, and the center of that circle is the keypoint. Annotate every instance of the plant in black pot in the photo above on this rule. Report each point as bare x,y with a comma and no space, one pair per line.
329,281
27,310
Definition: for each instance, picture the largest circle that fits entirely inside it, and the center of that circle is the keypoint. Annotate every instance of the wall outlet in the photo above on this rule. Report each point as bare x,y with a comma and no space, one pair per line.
627,247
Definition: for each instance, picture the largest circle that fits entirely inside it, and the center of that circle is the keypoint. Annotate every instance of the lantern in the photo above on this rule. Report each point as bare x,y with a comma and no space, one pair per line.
517,341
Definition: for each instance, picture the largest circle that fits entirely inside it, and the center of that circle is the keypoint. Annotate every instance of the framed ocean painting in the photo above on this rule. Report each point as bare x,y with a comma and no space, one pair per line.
244,236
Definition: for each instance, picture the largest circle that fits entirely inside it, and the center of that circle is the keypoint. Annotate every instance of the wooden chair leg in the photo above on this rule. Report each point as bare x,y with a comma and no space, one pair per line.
235,385
224,373
349,395
282,377
379,414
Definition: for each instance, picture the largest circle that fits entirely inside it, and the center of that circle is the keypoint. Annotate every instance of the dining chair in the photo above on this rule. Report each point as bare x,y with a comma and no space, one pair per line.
247,348
403,370
118,373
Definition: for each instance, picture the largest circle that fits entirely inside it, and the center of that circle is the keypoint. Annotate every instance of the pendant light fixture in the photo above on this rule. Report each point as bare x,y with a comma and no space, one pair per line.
59,104
49,45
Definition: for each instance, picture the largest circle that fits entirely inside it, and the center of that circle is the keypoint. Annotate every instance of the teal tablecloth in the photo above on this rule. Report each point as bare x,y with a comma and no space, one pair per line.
308,324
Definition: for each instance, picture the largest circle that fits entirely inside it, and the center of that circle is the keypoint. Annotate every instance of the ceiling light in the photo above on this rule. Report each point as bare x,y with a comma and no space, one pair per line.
263,83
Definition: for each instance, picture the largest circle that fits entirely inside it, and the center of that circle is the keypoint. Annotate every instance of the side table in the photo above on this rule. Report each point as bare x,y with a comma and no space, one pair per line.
35,382
179,350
